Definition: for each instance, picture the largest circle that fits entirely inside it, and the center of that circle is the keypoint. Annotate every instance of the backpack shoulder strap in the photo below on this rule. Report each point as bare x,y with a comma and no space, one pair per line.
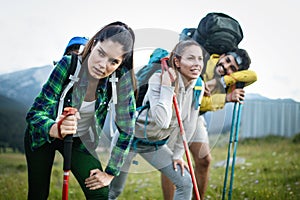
73,77
198,92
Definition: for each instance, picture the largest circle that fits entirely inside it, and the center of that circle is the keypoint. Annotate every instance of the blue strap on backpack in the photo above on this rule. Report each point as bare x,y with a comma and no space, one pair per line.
197,93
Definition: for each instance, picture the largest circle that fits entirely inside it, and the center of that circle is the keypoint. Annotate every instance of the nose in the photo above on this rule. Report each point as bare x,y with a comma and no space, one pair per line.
103,62
226,65
198,63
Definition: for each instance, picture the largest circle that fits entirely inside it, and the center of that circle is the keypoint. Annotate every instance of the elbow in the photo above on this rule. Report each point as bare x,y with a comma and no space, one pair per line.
161,115
254,76
162,123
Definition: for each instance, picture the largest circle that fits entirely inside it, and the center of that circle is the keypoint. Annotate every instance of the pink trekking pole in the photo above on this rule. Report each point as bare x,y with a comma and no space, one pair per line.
182,133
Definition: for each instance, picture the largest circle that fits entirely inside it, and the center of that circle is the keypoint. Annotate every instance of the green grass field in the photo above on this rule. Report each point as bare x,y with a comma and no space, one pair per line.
271,171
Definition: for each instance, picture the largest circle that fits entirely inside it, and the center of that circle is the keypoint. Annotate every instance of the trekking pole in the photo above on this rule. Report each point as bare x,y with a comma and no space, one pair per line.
182,133
186,148
229,149
235,148
68,140
233,140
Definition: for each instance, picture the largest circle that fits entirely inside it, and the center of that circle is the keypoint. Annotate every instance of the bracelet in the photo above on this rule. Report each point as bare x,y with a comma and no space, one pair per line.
231,93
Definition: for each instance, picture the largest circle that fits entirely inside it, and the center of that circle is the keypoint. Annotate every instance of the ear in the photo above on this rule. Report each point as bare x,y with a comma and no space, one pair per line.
177,62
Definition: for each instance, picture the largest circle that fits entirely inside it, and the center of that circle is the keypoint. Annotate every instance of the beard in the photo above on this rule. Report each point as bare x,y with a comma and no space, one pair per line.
216,73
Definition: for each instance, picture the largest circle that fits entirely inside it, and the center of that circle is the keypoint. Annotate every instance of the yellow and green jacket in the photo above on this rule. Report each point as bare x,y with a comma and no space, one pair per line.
218,99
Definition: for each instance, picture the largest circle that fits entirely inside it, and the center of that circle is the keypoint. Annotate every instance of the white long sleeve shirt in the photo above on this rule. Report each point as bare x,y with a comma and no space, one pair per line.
161,118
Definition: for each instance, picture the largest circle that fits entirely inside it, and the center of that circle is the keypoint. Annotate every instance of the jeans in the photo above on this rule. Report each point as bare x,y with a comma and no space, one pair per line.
161,159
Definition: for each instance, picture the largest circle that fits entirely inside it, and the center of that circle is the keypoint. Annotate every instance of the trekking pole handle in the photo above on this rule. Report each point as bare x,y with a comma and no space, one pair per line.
240,85
67,112
165,67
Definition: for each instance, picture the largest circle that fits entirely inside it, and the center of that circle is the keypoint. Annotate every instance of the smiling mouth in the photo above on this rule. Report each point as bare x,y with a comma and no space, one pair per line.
195,70
224,71
221,70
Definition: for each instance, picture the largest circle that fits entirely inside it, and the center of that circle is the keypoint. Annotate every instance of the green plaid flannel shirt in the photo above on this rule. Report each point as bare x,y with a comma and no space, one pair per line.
42,114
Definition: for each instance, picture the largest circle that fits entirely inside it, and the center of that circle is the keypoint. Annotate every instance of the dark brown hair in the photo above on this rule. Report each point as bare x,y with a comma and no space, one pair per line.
116,32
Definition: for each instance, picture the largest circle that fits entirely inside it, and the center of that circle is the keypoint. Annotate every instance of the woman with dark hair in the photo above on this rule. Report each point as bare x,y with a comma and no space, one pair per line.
108,55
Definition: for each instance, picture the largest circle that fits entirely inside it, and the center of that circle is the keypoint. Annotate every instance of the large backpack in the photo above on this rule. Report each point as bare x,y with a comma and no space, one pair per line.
218,33
143,75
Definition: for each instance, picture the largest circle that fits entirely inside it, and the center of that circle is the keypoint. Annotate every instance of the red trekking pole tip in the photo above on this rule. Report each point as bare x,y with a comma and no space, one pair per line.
65,185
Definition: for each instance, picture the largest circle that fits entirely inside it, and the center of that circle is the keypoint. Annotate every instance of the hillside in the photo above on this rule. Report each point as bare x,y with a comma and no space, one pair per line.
12,123
261,115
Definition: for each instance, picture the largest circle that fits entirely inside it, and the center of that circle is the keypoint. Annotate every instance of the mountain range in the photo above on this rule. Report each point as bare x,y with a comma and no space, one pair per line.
22,86
18,90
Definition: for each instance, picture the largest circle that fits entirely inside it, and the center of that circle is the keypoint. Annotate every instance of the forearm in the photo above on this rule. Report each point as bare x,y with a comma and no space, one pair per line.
118,155
125,122
161,109
178,150
246,76
161,100
213,102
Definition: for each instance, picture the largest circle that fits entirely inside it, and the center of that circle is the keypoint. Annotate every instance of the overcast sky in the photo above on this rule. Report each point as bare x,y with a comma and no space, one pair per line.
35,32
